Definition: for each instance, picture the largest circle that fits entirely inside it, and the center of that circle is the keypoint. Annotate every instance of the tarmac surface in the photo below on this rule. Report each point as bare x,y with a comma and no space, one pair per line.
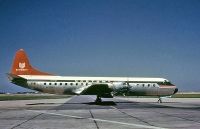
79,112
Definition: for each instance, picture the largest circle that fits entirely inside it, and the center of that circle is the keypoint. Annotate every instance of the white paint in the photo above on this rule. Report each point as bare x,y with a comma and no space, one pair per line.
22,65
50,78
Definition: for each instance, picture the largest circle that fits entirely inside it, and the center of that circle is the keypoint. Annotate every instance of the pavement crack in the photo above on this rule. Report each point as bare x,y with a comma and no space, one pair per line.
178,117
94,119
26,121
134,117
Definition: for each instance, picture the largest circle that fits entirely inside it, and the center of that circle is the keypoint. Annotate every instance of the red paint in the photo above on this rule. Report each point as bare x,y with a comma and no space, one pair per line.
22,66
167,86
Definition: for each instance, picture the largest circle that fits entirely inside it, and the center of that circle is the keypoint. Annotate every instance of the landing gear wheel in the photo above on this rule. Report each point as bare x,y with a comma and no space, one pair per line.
98,99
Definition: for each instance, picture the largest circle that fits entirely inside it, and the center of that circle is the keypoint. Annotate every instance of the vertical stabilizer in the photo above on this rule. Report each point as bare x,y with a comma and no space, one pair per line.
22,66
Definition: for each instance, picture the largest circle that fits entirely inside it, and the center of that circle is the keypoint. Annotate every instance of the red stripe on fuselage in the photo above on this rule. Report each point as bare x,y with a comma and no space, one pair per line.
167,86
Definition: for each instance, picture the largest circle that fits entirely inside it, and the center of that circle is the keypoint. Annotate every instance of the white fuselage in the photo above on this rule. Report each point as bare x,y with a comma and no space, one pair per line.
119,85
24,74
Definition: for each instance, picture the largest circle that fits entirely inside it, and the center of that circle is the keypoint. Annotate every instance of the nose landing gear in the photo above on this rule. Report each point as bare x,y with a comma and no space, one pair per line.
160,100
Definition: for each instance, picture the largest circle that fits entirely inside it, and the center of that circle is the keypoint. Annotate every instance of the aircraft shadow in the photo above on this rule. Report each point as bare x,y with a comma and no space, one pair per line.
104,103
86,103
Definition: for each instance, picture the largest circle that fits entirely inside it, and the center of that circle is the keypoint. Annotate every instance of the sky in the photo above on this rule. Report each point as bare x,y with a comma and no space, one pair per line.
128,38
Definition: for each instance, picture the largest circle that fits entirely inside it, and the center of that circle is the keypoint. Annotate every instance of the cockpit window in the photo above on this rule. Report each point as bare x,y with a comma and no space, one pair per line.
165,83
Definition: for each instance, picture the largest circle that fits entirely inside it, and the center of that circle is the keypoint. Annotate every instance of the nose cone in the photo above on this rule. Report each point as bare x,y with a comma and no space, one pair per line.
176,90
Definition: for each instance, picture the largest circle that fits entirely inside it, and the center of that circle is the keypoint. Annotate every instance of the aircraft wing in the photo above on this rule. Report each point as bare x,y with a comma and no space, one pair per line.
101,90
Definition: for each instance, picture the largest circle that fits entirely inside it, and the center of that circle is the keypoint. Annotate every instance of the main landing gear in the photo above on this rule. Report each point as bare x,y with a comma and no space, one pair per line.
98,99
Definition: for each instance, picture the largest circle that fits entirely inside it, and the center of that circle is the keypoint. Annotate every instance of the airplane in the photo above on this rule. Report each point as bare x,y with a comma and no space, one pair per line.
25,75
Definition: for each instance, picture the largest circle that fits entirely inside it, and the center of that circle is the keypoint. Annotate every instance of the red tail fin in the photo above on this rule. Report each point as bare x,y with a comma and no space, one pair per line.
22,66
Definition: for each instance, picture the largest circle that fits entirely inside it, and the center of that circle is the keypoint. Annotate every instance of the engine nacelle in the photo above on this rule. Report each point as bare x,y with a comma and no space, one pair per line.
118,85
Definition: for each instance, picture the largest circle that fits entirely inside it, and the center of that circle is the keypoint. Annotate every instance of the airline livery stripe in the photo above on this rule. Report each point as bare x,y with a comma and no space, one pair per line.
168,87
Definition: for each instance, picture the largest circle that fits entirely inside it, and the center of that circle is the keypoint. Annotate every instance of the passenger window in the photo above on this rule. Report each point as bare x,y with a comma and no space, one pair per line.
65,83
60,83
55,83
71,84
77,84
44,83
49,83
